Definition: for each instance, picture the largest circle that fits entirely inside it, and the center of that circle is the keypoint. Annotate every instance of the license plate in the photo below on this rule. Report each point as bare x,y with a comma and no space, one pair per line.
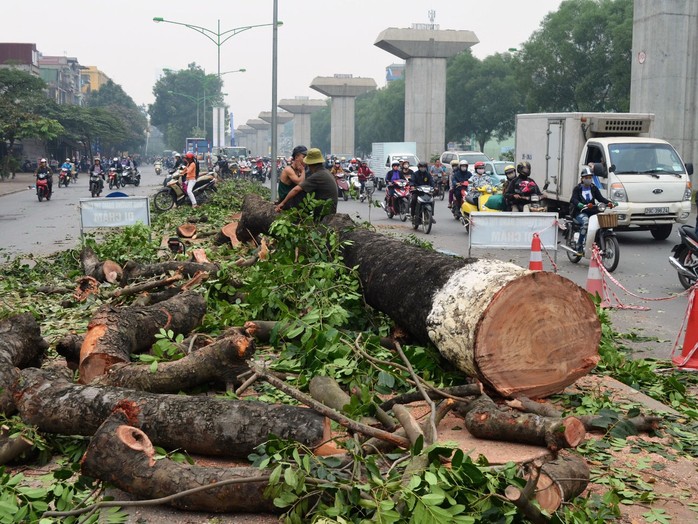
656,210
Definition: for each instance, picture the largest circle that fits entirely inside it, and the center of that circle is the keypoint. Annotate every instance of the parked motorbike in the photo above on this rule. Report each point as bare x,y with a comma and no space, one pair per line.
342,185
601,230
96,184
401,202
424,210
42,187
470,205
113,178
175,193
685,259
158,168
130,175
64,177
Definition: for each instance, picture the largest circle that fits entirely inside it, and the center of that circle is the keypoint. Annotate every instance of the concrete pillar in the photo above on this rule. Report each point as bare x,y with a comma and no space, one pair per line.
301,108
664,72
282,117
244,134
262,141
343,89
425,52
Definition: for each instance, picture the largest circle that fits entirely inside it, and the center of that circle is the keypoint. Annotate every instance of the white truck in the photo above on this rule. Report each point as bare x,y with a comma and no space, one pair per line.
645,176
384,153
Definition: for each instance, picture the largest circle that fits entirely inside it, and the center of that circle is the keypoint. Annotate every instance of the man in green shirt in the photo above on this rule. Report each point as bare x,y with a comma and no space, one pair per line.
319,182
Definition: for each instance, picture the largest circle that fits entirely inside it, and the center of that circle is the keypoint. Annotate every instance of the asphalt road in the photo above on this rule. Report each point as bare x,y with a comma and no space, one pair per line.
28,226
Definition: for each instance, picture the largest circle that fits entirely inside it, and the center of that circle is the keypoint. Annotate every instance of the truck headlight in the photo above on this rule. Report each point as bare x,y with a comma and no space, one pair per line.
618,192
687,192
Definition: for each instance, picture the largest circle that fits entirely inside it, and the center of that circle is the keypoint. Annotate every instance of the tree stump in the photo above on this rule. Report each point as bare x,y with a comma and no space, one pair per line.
107,271
519,332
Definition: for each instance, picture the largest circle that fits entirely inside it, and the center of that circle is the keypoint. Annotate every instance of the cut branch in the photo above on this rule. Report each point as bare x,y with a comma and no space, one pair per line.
107,271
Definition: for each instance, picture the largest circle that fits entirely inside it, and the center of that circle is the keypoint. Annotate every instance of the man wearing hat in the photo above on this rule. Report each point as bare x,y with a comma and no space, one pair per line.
319,182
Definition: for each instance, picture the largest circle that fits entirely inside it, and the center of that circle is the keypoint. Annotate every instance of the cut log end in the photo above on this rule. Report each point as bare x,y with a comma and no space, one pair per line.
575,432
524,347
136,440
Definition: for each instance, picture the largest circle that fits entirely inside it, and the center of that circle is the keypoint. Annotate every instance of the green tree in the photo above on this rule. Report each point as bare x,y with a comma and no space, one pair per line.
21,98
178,97
579,59
320,129
131,136
84,126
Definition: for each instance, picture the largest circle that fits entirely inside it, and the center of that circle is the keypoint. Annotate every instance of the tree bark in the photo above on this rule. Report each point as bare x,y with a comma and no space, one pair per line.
68,346
134,270
113,334
561,480
107,271
220,361
21,346
200,425
517,331
485,420
13,446
123,456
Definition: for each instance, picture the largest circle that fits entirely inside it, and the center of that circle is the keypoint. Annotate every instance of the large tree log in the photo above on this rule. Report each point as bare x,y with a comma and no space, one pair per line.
107,271
134,270
123,455
520,332
200,425
113,334
561,480
21,346
220,361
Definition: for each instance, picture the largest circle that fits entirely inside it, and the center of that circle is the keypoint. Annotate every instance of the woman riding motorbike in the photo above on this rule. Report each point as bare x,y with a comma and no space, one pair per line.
583,204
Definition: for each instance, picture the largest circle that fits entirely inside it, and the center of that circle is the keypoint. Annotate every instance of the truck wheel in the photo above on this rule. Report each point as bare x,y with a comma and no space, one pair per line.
661,232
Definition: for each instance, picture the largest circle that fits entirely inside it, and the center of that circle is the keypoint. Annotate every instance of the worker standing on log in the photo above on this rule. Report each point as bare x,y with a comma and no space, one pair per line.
318,182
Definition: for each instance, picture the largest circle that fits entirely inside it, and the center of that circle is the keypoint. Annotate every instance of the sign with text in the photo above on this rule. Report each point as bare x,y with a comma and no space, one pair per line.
512,230
114,212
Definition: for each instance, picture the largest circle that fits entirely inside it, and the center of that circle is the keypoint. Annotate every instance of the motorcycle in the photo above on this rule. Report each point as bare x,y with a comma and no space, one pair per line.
96,184
459,194
601,230
158,168
130,175
440,187
42,187
342,185
685,259
400,202
469,205
64,177
114,178
424,210
175,193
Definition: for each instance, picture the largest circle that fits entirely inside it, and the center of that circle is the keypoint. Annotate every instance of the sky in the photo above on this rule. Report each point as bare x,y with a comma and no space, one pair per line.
317,38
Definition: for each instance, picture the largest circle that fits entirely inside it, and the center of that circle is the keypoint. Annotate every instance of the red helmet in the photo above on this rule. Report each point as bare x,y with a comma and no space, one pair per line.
479,164
190,155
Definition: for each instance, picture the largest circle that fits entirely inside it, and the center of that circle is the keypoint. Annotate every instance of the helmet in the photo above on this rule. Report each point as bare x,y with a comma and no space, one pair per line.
190,155
523,168
42,161
178,155
479,165
454,163
463,162
344,158
98,160
353,160
364,162
422,164
395,163
508,169
586,171
116,159
67,159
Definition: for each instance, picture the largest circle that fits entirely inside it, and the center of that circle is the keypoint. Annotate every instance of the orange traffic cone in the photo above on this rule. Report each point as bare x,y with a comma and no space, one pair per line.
689,354
535,263
595,280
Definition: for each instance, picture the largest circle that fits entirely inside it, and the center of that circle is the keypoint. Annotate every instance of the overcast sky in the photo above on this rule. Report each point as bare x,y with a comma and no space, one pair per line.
318,38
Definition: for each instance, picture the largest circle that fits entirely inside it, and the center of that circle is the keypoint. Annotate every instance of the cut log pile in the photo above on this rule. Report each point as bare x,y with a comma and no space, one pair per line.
471,310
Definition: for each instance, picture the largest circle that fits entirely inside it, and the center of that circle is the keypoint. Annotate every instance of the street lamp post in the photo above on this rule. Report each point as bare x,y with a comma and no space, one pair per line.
197,101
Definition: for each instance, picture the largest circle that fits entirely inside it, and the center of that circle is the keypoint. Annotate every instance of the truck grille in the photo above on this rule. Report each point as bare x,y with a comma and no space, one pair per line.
641,218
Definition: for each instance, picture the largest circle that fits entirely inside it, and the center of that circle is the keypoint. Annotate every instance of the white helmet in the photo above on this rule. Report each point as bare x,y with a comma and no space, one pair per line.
116,159
42,160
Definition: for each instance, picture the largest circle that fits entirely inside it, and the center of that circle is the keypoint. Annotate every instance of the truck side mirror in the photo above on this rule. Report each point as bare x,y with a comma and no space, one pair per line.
600,170
689,168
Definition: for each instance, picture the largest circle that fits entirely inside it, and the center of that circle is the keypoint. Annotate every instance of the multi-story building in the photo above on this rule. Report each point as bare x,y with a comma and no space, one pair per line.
63,76
21,56
92,79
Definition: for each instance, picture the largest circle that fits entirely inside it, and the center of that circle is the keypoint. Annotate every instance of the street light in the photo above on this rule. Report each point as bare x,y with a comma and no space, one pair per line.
197,101
221,37
234,71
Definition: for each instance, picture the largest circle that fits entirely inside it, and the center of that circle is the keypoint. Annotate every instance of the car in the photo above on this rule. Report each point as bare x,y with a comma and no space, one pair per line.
499,166
470,156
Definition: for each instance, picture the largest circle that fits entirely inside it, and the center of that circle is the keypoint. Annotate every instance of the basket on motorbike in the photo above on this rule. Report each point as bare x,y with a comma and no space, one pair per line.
608,221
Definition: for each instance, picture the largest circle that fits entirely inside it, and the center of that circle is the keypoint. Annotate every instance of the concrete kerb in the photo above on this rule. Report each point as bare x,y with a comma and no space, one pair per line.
21,182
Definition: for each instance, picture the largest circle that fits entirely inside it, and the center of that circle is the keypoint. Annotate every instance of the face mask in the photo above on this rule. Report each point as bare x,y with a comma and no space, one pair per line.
586,182
510,176
422,169
524,175
480,171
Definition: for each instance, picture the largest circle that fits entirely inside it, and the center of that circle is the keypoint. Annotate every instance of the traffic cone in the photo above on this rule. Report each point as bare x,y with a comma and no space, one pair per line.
535,263
595,280
689,354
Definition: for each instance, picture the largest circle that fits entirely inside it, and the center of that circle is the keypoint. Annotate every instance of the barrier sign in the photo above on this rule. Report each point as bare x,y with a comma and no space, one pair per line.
512,230
114,212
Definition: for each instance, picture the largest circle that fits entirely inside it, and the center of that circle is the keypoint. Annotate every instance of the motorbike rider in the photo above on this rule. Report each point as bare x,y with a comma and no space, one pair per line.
460,175
583,204
521,188
421,178
438,171
178,162
394,174
337,168
364,173
191,178
478,180
68,166
406,171
97,168
510,173
44,168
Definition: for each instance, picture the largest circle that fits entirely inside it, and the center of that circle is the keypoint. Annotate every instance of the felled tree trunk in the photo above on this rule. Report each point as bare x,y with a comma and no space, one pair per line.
200,425
561,480
485,420
218,362
113,334
519,332
107,271
123,455
134,270
21,346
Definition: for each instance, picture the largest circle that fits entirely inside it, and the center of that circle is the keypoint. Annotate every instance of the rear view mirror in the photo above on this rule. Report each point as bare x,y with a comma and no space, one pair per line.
613,168
689,168
600,170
